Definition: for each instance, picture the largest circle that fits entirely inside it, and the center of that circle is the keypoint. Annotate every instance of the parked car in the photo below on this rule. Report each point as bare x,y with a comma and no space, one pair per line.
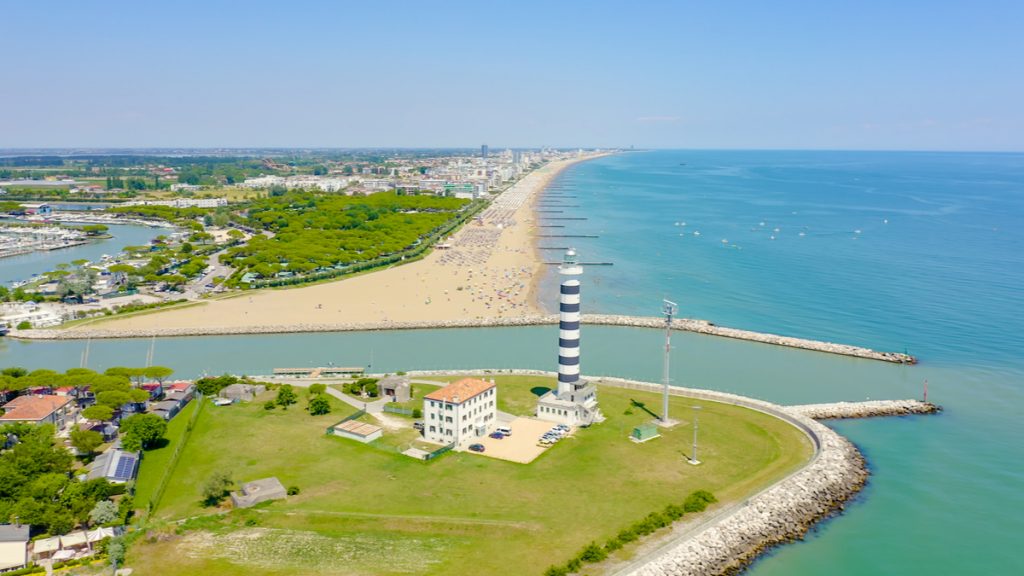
496,435
476,447
505,430
418,426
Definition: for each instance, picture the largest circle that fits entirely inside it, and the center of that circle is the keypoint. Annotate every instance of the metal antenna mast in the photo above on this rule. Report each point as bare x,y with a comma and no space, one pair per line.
669,309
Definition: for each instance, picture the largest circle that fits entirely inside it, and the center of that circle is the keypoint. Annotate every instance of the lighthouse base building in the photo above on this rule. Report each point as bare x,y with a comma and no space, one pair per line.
574,402
578,408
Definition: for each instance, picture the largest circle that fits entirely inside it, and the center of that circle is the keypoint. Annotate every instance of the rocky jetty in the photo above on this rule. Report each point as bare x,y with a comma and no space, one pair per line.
687,325
865,409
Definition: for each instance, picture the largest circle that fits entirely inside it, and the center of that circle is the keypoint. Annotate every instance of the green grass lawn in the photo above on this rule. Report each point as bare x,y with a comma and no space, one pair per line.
156,460
362,510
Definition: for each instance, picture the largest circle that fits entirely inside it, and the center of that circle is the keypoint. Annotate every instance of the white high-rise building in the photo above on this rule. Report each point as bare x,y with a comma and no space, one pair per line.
574,402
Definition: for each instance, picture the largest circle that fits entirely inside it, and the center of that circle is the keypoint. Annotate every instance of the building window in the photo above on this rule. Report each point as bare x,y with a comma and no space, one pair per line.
433,429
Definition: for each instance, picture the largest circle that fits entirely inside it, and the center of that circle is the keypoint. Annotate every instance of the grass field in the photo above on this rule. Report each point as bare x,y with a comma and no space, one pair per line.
366,511
155,461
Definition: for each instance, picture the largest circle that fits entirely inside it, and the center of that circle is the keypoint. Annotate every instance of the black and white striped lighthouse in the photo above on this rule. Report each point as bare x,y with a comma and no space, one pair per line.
569,324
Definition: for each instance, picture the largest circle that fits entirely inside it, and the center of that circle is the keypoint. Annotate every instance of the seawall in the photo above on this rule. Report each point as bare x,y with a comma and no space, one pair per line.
686,325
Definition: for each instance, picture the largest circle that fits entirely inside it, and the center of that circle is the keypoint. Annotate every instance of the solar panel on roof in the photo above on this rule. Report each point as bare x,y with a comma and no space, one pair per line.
125,467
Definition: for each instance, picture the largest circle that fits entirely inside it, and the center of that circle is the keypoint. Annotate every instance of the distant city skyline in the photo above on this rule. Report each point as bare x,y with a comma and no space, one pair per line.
872,75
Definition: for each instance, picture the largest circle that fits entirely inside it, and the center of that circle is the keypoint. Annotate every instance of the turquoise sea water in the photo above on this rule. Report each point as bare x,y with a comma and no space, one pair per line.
941,279
897,251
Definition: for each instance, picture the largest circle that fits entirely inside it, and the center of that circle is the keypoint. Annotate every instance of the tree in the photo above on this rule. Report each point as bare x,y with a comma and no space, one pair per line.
319,405
86,441
216,487
158,373
371,389
286,396
104,512
115,551
141,431
113,399
315,389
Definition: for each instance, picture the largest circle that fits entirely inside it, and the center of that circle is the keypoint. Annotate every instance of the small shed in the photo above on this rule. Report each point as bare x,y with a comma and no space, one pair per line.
644,432
397,387
242,392
257,491
361,431
167,409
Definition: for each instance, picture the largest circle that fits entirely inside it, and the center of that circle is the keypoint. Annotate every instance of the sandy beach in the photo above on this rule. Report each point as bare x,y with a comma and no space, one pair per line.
490,270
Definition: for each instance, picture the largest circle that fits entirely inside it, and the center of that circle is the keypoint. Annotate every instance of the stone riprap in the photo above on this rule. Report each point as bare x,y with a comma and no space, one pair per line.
687,325
865,409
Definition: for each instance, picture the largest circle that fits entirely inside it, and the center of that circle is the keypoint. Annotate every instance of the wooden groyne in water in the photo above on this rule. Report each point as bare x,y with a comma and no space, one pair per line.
687,325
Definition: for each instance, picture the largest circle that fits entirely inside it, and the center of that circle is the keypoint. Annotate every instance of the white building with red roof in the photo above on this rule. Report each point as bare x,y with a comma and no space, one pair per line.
460,412
43,409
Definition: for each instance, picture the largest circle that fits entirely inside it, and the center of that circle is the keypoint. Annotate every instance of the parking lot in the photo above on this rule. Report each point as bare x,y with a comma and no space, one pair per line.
521,446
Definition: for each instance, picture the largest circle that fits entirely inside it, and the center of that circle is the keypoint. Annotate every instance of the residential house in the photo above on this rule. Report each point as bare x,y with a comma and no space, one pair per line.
48,409
13,546
116,465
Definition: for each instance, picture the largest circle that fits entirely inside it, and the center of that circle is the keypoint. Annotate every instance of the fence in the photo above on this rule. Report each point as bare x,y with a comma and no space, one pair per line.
396,410
154,500
353,416
439,452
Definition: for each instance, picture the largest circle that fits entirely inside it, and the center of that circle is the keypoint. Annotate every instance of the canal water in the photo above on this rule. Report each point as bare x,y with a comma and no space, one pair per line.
23,267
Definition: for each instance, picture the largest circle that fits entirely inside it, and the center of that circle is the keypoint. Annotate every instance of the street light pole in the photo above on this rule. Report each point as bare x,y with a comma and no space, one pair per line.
696,425
669,309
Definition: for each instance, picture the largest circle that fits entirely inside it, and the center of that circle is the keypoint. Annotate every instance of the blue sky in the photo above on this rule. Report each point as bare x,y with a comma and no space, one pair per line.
936,75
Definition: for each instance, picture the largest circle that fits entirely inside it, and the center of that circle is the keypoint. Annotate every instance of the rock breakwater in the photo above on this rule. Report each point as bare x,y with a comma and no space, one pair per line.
865,409
687,325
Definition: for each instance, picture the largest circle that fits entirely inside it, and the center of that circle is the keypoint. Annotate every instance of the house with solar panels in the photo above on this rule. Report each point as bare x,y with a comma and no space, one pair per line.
116,465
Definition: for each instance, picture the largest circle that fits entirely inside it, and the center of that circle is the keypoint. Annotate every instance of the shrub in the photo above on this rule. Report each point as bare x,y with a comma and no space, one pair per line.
417,413
694,504
573,565
26,325
293,490
315,389
612,545
269,405
673,512
216,487
319,405
556,571
593,553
